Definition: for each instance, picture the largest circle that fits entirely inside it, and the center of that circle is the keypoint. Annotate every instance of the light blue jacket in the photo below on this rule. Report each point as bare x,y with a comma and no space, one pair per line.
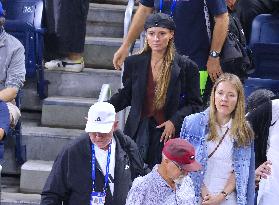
195,129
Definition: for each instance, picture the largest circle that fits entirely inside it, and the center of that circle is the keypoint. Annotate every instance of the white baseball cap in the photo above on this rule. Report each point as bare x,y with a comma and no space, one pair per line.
101,117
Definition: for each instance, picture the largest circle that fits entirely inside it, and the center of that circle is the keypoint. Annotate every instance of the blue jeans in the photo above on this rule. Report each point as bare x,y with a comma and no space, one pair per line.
4,117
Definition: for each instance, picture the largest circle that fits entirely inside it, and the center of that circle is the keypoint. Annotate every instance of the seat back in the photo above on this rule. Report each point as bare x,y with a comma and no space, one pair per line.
24,21
252,84
28,11
265,28
265,46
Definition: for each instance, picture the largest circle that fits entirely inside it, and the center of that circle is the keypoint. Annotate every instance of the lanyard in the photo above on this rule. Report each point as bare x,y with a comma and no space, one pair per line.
94,169
173,5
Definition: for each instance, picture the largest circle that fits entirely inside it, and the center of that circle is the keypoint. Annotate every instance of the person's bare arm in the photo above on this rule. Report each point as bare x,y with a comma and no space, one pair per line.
209,199
134,31
8,94
218,38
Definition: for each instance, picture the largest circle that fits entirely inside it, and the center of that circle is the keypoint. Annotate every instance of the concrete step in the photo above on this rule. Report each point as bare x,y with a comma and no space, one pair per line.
10,192
99,51
40,143
19,198
10,183
67,112
30,99
31,115
44,143
9,164
105,20
35,171
86,84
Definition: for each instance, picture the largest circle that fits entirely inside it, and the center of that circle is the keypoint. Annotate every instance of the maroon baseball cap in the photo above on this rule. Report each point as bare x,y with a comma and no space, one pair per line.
183,153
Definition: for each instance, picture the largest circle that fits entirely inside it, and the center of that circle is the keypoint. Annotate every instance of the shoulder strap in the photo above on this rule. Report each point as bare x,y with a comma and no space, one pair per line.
241,35
223,137
207,20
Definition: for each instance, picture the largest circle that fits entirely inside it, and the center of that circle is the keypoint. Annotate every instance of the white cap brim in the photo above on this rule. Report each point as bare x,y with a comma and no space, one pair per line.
97,127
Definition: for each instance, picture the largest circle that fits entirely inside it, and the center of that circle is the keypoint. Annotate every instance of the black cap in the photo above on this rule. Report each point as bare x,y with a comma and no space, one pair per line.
159,20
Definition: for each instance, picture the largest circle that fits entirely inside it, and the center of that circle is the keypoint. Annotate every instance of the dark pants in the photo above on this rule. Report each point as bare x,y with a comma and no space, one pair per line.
66,26
148,141
4,117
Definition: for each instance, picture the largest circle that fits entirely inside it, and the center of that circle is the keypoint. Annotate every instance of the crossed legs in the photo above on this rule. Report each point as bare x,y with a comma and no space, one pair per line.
9,115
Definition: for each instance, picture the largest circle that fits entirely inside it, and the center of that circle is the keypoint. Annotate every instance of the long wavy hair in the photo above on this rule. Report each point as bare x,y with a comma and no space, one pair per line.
241,130
162,83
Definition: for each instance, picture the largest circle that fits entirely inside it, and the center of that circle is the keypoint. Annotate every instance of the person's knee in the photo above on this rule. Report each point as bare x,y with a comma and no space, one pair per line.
14,114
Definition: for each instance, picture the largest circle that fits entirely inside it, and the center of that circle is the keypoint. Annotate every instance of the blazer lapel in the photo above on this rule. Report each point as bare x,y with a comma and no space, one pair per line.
141,68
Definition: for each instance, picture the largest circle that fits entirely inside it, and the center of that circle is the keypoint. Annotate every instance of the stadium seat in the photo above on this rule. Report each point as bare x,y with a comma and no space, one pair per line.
24,21
252,84
264,44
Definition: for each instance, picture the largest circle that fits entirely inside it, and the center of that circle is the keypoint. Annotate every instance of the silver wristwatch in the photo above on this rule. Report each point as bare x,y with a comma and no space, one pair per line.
214,54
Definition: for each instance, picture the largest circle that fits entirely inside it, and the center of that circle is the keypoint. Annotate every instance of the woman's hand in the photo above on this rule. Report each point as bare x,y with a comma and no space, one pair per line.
204,192
213,199
263,171
169,131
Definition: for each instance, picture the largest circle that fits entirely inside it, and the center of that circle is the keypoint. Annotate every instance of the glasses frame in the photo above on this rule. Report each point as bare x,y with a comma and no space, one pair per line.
178,166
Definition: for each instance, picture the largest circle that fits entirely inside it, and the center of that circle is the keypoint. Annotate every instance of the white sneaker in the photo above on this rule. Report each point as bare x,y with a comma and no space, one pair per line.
66,65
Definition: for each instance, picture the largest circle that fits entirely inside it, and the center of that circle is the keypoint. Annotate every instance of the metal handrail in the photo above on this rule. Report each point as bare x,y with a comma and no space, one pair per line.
105,93
127,22
128,16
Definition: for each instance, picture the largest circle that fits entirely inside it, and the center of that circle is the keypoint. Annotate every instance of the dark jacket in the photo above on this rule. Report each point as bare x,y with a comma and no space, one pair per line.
183,95
70,179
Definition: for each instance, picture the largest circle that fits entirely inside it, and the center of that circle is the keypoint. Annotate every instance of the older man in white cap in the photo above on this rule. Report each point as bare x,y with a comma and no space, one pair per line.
96,168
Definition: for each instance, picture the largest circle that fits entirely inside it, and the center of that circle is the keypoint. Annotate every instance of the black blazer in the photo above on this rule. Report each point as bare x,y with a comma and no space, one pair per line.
183,95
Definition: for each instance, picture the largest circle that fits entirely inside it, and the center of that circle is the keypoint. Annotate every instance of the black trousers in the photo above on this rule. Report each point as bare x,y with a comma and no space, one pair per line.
148,141
66,26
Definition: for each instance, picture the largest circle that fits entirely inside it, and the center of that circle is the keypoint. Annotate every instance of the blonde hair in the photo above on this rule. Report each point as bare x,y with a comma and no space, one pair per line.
241,130
164,76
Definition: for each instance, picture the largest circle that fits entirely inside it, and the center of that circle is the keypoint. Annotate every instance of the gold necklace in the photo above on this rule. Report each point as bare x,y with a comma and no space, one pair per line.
155,64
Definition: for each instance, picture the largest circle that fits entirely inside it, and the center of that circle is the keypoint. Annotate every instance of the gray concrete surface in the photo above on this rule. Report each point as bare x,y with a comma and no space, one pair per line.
33,175
67,112
99,51
44,143
19,198
86,84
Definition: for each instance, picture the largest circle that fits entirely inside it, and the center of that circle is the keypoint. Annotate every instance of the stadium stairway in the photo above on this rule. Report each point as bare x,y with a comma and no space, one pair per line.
50,124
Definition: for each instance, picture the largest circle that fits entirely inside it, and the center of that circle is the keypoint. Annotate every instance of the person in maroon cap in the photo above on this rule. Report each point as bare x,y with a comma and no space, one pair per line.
168,182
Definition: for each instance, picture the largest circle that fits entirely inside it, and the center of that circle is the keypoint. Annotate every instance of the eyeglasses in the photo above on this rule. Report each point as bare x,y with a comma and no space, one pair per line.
178,166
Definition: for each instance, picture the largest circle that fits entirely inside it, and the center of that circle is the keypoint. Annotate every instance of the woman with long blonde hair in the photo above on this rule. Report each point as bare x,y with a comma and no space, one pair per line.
161,87
224,143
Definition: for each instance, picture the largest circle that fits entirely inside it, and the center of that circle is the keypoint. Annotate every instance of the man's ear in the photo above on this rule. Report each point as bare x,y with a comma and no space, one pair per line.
115,125
166,160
